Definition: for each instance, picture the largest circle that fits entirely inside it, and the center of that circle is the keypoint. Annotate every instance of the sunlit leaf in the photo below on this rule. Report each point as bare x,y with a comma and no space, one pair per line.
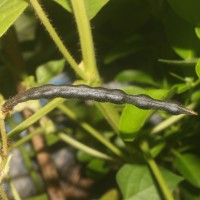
65,4
10,11
133,118
131,121
92,6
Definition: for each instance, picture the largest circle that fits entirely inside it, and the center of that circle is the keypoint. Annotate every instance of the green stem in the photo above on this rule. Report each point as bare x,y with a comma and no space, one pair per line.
44,19
111,115
86,41
91,131
35,177
154,168
83,147
14,191
36,116
26,138
89,60
166,123
91,75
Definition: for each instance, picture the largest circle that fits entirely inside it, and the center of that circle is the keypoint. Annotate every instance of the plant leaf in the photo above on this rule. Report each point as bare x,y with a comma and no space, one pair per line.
189,10
65,4
182,37
135,76
10,11
110,194
92,6
188,165
49,70
198,68
133,118
197,31
137,182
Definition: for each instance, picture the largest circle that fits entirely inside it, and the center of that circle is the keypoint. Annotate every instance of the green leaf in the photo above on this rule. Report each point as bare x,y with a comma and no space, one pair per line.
47,71
65,4
10,11
135,76
156,149
39,197
92,6
197,31
181,87
198,68
83,157
131,121
188,165
189,10
110,194
136,182
179,63
182,36
133,118
97,168
195,96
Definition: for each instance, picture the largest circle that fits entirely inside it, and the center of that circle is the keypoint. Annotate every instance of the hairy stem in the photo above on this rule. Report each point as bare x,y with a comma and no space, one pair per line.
44,19
86,41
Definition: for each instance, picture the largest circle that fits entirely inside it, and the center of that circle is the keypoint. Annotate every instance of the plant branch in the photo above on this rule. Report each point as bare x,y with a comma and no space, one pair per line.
86,41
155,170
91,131
36,116
83,147
25,139
50,29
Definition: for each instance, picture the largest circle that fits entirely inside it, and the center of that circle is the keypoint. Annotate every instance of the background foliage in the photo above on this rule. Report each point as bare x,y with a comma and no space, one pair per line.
140,46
